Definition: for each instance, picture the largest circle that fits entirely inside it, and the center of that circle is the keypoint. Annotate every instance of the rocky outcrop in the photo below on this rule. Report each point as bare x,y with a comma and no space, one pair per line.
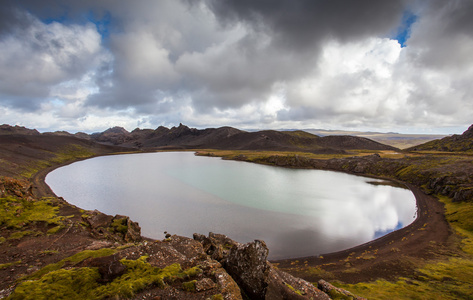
109,267
247,264
451,177
6,129
115,136
14,187
336,293
119,227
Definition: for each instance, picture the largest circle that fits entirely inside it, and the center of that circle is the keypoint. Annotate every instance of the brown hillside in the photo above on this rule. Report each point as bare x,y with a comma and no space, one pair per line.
24,154
454,143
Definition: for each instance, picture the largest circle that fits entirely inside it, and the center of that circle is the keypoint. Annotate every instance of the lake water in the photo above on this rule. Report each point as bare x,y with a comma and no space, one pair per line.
296,212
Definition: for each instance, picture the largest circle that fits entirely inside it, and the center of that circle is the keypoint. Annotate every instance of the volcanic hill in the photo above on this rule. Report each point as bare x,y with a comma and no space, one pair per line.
228,138
454,143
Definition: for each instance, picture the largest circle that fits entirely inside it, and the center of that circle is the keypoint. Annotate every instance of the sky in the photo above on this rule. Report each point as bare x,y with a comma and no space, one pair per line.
366,65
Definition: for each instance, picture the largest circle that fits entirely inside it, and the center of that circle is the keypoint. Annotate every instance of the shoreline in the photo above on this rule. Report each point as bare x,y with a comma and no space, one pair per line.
426,207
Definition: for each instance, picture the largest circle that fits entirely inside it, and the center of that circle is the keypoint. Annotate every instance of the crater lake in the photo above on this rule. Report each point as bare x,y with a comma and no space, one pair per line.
297,212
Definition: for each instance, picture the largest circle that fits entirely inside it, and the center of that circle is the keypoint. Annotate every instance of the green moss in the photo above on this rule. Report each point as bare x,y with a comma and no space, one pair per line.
72,152
56,229
78,257
60,284
192,272
459,213
7,265
189,286
20,234
318,272
451,279
17,212
34,167
2,240
460,217
50,252
293,289
217,297
336,295
119,225
68,153
81,283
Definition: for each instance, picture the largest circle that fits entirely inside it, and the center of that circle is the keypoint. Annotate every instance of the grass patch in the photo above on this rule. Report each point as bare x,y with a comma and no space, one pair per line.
81,283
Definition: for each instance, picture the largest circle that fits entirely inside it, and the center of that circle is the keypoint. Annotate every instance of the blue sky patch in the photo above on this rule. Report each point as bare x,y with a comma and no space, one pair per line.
404,30
102,24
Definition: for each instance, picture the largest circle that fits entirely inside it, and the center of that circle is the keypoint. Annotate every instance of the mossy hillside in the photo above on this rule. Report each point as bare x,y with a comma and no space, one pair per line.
447,144
460,217
68,153
82,283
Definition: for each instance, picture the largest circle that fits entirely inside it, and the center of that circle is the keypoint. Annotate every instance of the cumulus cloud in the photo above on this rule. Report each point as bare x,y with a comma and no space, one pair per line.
37,57
293,64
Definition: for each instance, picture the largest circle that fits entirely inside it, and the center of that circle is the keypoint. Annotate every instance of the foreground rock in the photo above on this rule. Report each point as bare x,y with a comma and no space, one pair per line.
257,277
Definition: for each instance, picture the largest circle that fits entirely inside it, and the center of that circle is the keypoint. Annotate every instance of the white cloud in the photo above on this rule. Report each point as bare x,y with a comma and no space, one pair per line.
42,55
142,60
166,62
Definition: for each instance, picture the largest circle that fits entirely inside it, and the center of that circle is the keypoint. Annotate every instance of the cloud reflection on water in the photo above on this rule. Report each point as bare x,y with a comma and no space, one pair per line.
296,212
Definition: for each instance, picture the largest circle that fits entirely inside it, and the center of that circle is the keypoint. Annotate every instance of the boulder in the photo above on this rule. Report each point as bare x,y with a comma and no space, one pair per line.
247,265
336,293
109,267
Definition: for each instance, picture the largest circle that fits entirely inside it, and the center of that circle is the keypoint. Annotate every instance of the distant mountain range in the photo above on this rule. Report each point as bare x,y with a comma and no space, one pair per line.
315,141
183,137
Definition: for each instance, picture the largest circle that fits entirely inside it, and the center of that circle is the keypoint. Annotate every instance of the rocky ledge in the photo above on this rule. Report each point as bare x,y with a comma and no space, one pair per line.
213,267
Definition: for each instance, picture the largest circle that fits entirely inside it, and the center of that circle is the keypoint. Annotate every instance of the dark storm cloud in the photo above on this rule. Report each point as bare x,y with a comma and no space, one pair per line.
443,37
302,24
10,18
282,44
